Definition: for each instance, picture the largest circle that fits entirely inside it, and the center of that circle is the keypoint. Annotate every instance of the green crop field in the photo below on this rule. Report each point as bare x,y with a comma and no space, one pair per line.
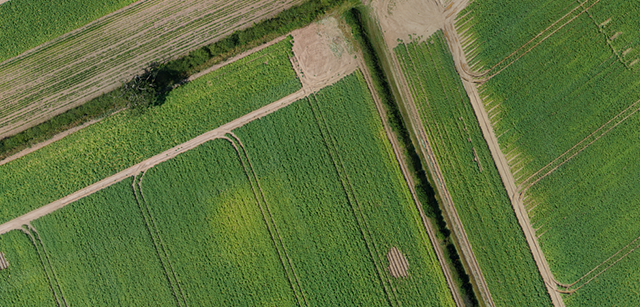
24,282
26,24
285,213
102,253
470,174
338,198
125,139
562,93
71,70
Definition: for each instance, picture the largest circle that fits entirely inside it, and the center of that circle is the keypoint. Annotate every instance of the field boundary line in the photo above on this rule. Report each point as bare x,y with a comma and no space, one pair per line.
425,148
374,253
397,153
143,203
500,161
33,234
268,218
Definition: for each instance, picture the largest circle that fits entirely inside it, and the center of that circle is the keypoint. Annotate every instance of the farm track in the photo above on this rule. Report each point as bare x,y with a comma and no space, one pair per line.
156,237
96,58
267,217
431,163
49,272
501,163
151,162
308,86
488,74
430,229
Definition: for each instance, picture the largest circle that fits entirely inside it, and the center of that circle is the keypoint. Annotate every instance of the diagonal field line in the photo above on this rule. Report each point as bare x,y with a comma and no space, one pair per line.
583,148
149,163
576,145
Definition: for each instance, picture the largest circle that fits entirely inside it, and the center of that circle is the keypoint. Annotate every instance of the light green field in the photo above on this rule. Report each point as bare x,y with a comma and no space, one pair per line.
470,174
565,113
125,139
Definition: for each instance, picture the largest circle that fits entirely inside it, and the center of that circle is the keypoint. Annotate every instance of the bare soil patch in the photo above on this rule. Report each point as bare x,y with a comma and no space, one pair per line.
322,54
401,18
3,262
398,264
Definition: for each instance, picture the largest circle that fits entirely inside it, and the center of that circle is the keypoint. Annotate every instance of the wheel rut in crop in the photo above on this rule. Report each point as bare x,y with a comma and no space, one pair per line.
374,252
52,278
158,243
261,200
523,50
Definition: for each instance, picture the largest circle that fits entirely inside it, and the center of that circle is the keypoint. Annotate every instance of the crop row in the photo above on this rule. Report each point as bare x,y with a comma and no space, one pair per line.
564,114
470,174
125,139
45,20
74,68
330,179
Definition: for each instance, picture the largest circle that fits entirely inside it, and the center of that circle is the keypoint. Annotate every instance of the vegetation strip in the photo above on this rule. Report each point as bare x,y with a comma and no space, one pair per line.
173,72
425,195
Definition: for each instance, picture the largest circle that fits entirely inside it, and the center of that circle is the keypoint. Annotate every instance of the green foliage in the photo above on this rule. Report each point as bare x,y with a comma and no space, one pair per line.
364,31
123,140
24,282
470,174
550,104
216,239
340,202
102,253
25,24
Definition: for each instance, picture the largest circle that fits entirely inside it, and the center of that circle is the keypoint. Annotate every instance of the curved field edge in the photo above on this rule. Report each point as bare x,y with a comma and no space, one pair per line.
470,174
565,114
125,139
24,282
341,126
45,20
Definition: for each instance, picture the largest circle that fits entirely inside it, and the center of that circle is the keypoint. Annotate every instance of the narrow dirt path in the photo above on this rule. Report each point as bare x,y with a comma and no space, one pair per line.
387,12
431,231
501,162
151,162
313,61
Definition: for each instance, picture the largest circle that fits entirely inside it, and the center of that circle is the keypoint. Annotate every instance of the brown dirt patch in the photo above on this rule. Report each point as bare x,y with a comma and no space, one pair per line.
322,54
398,264
3,262
401,18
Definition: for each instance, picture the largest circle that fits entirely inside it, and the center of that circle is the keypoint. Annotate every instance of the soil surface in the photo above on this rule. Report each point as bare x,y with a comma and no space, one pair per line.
84,63
401,18
500,160
323,54
398,264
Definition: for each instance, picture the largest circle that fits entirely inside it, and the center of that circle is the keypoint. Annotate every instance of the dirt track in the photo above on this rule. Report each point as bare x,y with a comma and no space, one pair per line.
308,87
96,58
387,11
501,162
431,231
